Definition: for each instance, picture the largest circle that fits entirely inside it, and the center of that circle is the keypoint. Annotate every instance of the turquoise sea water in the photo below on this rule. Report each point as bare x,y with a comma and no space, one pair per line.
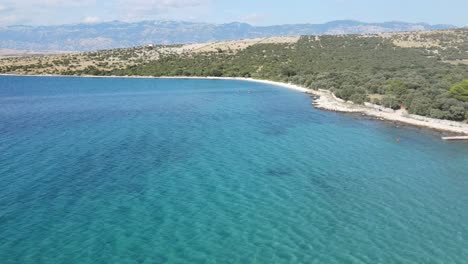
204,171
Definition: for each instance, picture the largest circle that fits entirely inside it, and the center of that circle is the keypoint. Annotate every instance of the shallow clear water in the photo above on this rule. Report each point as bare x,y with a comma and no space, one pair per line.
204,171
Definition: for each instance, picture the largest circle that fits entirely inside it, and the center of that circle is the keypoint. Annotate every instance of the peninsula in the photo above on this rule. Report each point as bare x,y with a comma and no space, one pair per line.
418,78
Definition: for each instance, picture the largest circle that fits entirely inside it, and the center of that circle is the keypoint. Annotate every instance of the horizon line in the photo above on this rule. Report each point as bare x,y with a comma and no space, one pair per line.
232,22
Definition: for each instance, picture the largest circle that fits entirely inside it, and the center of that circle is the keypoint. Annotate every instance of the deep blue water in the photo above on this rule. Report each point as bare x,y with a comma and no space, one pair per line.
205,171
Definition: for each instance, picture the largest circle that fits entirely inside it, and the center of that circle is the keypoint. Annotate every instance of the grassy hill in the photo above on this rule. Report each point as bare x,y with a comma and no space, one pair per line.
415,70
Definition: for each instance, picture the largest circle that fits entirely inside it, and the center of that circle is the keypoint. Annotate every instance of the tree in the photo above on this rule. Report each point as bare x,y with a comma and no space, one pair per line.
217,73
397,88
457,113
390,102
420,106
246,74
439,114
460,91
358,98
287,71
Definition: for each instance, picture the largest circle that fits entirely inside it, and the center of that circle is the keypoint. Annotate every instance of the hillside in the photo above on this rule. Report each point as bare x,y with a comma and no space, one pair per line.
116,34
411,70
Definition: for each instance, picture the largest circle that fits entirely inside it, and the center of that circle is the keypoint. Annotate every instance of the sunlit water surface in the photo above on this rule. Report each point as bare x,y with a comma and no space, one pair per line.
210,171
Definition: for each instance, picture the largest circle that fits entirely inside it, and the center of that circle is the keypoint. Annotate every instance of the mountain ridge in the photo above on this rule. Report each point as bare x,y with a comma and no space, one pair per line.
118,34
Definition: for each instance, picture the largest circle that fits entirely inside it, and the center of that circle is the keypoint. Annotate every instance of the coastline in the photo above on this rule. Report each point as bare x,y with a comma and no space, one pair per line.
286,85
324,100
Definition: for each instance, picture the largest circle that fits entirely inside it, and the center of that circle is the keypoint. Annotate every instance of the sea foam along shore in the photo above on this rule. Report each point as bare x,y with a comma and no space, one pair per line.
325,100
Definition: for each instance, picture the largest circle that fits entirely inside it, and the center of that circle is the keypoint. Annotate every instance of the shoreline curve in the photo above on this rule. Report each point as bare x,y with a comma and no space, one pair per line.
323,99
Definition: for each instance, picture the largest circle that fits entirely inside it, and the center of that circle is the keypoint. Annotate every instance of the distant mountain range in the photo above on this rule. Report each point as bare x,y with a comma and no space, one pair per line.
117,34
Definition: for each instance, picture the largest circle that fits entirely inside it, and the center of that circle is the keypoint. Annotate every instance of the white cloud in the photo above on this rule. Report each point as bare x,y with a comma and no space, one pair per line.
58,3
162,4
41,12
49,3
91,19
62,2
253,18
139,9
8,20
46,12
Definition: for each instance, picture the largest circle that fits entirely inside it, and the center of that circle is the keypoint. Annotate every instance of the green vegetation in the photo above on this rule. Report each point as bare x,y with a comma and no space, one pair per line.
460,91
355,68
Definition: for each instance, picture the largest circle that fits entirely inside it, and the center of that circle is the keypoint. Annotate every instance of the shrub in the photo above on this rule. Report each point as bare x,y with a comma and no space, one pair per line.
390,102
358,98
397,88
439,114
460,91
216,73
420,106
288,72
457,113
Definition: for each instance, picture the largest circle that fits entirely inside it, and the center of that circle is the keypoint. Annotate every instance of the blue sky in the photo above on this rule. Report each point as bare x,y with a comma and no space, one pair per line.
260,12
